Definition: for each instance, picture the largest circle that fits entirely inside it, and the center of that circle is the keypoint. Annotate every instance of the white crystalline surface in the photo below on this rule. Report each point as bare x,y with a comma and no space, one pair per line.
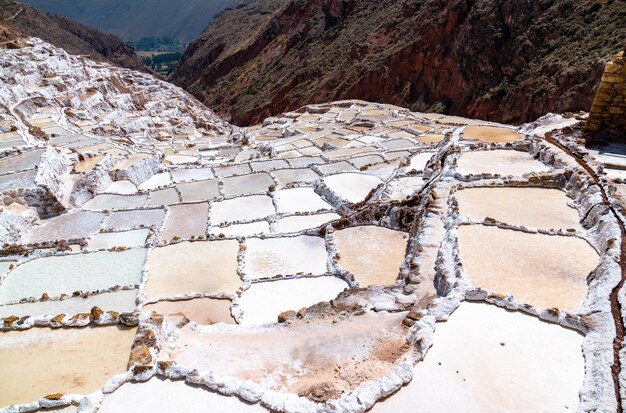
263,302
353,187
285,256
160,259
169,396
300,200
542,363
75,272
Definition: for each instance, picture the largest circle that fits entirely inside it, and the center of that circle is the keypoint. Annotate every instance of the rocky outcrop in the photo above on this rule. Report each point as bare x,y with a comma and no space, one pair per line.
69,35
608,111
502,61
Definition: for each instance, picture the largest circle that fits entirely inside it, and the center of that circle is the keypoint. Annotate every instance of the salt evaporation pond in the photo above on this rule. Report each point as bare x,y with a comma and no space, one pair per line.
501,162
508,362
373,254
530,207
537,269
46,361
299,200
157,395
247,184
241,209
264,301
75,272
119,301
352,187
298,223
198,310
491,134
186,221
186,267
129,239
285,256
242,230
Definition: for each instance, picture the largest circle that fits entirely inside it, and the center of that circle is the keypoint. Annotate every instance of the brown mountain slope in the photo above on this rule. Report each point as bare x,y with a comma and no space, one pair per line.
504,60
67,34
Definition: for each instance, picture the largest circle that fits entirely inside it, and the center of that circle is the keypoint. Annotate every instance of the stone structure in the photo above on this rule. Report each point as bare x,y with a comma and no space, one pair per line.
608,111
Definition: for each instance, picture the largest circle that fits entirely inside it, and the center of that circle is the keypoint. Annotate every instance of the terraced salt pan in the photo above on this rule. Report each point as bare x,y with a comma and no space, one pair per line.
87,164
299,200
46,361
120,301
285,177
167,196
352,187
501,162
128,239
336,167
418,162
110,201
242,230
268,165
223,171
181,159
264,301
247,184
130,161
20,162
537,269
299,223
192,174
198,191
18,180
485,359
402,188
157,395
373,254
156,181
121,220
285,256
241,209
121,187
73,225
76,272
186,267
332,351
185,221
491,134
198,310
530,207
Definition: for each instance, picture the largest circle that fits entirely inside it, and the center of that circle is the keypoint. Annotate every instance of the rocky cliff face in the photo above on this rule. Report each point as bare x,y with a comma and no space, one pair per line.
69,35
506,60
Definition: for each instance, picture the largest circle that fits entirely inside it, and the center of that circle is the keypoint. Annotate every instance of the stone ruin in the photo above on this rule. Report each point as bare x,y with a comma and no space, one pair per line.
608,111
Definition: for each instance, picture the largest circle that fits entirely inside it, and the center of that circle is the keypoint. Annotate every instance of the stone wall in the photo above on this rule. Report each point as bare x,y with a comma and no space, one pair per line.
608,111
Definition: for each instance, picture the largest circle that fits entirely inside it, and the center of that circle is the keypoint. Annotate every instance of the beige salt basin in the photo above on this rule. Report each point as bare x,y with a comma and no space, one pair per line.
185,221
541,270
501,162
43,361
199,310
492,134
309,352
485,359
373,254
285,256
530,207
186,267
158,395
